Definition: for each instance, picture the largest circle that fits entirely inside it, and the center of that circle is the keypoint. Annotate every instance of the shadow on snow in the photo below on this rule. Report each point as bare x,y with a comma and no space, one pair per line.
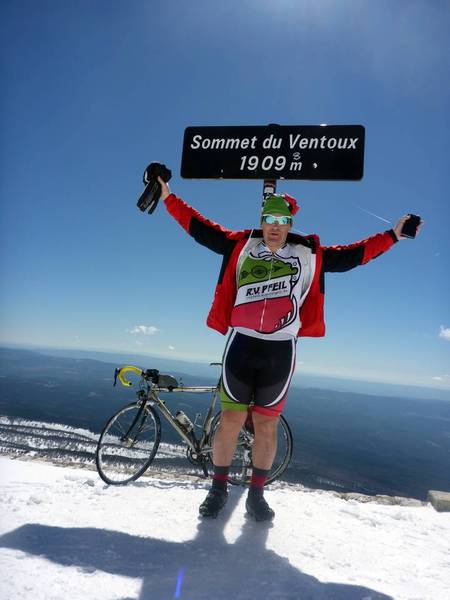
211,568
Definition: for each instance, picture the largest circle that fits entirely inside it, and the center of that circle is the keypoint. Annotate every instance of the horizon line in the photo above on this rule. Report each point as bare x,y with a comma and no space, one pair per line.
204,362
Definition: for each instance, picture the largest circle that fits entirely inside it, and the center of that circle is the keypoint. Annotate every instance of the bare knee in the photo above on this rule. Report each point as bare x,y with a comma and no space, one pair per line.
265,425
231,420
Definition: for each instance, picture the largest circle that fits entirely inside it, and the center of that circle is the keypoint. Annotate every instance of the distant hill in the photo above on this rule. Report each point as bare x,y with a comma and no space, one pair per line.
203,369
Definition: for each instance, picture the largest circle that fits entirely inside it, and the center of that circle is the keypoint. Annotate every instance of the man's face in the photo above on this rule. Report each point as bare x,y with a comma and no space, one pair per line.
275,234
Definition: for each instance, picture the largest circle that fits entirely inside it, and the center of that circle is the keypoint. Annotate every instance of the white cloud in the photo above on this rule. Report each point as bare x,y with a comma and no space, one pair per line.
171,347
441,377
445,333
145,329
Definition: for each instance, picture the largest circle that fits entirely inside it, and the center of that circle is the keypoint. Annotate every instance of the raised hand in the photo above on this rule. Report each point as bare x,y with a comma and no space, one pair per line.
165,191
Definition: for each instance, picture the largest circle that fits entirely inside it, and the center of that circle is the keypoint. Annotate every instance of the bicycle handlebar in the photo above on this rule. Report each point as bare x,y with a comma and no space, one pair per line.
152,375
120,373
164,382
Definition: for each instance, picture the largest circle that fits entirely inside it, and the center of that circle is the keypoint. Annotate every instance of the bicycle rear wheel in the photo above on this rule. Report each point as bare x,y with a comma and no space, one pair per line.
128,444
241,464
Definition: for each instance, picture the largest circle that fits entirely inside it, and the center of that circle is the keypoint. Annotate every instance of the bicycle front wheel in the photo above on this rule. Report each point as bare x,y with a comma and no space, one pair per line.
241,464
128,444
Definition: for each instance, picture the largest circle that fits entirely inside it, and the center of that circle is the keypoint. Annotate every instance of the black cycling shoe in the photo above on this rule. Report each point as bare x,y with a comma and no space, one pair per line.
258,509
213,503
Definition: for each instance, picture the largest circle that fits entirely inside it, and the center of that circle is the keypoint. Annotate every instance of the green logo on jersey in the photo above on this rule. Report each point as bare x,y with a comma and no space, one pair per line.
255,270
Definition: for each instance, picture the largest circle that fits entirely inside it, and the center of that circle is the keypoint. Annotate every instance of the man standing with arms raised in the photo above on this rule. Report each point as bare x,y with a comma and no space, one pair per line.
270,291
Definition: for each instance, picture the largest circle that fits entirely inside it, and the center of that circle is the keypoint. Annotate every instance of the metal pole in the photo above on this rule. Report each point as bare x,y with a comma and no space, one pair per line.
270,185
269,188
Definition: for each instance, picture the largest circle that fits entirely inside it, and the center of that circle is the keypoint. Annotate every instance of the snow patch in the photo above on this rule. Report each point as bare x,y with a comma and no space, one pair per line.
65,533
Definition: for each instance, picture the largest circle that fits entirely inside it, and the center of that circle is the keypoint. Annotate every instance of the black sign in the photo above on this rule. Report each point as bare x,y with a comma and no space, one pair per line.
274,152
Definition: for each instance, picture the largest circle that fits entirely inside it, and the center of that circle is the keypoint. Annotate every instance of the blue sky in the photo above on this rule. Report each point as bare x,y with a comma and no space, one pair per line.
94,91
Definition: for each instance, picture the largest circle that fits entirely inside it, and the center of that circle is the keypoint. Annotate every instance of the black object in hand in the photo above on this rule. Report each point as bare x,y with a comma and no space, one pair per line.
410,226
152,193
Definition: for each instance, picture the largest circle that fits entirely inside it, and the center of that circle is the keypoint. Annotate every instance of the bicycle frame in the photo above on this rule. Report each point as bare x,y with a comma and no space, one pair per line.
151,395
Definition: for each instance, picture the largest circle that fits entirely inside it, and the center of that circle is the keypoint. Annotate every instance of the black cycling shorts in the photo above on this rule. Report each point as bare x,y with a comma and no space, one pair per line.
256,371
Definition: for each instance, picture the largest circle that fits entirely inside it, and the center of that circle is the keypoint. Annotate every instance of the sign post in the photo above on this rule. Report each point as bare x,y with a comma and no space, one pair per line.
272,152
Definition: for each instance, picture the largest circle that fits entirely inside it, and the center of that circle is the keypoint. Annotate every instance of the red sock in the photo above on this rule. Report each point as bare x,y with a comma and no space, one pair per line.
220,477
259,478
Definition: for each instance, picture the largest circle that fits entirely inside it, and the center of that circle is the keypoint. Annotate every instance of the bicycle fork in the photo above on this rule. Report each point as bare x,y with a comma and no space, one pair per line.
129,440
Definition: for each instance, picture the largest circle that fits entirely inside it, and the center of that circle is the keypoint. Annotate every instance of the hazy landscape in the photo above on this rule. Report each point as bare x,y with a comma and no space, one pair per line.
348,441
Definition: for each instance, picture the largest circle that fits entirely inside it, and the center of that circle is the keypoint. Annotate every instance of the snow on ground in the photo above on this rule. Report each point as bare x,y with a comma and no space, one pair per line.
65,534
70,446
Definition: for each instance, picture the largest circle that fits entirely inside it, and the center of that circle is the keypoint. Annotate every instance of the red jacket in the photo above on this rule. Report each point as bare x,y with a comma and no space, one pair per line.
230,244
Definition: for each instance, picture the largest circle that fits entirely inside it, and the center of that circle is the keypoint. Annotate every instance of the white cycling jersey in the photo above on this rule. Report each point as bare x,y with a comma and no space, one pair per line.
271,288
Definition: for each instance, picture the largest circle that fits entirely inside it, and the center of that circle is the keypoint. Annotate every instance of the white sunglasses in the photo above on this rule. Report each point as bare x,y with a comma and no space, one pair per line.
271,219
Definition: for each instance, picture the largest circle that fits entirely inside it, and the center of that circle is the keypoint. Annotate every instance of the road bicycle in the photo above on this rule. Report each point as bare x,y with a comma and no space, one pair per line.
130,439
